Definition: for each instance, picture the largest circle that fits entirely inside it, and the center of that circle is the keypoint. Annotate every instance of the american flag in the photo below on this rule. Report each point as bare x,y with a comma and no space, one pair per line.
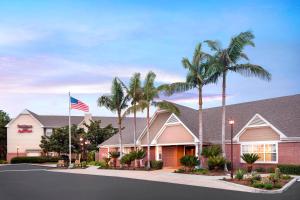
76,104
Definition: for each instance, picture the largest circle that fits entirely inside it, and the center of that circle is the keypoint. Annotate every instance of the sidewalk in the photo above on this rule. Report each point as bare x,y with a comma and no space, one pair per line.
162,176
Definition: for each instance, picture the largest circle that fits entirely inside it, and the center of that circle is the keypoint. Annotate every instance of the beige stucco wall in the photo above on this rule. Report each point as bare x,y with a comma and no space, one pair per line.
24,140
259,134
175,134
155,127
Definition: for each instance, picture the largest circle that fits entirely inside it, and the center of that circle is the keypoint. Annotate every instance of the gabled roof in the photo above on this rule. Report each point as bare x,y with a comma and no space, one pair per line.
282,112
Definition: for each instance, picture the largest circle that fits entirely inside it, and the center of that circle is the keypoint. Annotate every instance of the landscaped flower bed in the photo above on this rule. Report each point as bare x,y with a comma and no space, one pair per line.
272,181
201,172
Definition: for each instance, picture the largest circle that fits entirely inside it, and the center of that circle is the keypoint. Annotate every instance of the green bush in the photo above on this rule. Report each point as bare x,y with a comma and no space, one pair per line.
3,162
83,164
268,186
290,169
240,174
189,162
128,158
156,164
286,177
260,169
216,162
210,151
200,171
270,170
258,185
180,170
91,156
277,186
37,159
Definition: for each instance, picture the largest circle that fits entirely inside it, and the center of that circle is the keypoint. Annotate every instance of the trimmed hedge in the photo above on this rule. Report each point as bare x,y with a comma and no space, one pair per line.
38,159
290,169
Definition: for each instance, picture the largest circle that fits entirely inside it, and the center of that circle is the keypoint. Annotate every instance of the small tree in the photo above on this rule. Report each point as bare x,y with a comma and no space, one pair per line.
213,150
216,162
250,159
4,119
189,162
107,160
114,155
128,158
139,155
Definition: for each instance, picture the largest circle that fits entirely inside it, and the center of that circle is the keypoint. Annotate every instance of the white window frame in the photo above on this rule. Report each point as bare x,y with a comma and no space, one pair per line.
264,143
46,132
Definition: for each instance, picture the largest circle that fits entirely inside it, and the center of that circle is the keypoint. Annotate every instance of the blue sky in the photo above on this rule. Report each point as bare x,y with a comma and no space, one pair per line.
48,48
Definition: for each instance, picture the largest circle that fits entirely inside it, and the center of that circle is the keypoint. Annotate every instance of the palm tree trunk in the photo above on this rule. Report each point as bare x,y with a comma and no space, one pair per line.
120,136
200,144
224,116
148,138
134,132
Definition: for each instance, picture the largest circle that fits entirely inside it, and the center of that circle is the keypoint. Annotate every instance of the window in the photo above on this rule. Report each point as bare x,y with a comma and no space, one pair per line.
48,132
159,153
127,150
267,152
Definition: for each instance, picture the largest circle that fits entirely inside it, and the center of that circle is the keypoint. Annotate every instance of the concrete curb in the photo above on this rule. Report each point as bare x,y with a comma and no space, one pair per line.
257,190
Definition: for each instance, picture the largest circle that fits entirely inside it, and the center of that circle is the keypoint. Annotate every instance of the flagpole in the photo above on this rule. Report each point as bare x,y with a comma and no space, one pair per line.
70,150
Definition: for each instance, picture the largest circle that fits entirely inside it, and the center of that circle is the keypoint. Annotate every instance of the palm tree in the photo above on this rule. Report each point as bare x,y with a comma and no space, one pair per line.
200,73
227,60
135,92
116,102
150,95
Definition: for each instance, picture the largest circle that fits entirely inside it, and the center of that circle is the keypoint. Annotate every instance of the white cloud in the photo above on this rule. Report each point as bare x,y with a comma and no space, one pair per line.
53,75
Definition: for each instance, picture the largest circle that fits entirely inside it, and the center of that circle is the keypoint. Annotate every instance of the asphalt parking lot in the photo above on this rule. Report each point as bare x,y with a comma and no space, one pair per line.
29,182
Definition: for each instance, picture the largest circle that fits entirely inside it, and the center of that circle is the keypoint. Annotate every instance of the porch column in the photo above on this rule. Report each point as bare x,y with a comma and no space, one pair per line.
196,149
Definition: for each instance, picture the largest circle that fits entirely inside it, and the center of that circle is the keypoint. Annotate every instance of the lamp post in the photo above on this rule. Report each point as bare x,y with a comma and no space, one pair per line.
231,123
18,150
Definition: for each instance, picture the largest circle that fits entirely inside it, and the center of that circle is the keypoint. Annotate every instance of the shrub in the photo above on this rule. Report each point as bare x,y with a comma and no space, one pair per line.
200,171
91,156
210,151
114,155
277,186
37,159
290,169
216,162
106,160
240,174
127,159
3,162
255,177
258,185
156,164
274,178
180,170
286,177
189,162
268,186
250,158
270,170
260,169
83,164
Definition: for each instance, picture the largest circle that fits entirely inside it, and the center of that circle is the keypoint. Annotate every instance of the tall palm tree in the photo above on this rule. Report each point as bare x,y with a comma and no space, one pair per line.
116,102
150,97
229,60
135,92
200,73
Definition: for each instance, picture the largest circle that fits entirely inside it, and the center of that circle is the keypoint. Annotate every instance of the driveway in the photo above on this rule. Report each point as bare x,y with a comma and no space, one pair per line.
36,183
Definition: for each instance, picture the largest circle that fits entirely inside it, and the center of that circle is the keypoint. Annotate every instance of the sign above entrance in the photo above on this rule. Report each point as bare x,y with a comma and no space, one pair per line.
25,128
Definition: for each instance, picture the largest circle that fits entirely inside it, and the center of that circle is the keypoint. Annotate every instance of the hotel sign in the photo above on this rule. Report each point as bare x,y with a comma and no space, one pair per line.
24,128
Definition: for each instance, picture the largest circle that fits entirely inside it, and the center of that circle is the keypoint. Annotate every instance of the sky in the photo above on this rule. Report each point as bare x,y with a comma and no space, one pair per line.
48,48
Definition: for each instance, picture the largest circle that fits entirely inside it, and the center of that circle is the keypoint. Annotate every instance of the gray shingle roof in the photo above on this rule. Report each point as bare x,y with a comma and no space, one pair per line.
282,112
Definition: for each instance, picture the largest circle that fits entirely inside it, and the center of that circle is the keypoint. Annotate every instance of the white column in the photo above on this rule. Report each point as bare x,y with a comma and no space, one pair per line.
196,149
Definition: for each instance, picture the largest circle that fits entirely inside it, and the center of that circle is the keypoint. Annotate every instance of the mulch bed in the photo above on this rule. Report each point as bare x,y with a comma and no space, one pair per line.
247,182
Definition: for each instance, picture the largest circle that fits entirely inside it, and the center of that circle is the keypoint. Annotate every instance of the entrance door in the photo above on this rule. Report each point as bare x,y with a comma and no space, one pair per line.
190,150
